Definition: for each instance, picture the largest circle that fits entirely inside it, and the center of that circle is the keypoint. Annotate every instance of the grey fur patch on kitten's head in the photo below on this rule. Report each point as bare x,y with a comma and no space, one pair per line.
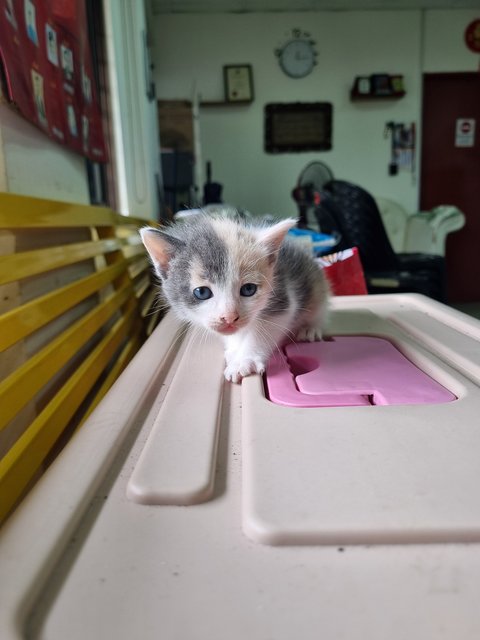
216,272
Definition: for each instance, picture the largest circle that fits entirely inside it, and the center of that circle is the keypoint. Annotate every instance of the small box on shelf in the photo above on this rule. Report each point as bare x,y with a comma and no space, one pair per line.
377,85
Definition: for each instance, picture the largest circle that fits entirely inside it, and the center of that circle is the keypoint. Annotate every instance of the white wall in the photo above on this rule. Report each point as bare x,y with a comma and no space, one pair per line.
33,165
193,49
445,48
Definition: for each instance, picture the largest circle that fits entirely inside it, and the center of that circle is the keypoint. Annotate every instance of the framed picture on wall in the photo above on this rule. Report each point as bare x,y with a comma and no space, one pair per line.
298,126
238,80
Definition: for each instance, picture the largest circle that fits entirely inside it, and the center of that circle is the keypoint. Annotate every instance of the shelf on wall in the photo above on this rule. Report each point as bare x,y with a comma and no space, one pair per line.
378,86
225,103
355,96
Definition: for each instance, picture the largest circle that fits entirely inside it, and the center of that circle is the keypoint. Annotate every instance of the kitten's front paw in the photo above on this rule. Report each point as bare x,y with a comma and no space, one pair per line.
309,334
238,369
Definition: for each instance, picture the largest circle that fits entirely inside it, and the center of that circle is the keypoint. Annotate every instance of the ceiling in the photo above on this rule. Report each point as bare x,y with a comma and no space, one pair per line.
243,6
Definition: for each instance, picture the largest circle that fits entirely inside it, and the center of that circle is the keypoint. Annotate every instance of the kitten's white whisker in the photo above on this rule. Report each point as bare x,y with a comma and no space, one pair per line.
287,333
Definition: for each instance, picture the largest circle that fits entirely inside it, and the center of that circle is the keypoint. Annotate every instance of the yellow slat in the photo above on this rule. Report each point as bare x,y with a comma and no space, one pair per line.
148,302
23,211
142,285
22,385
153,320
24,459
133,249
139,266
30,263
127,353
20,322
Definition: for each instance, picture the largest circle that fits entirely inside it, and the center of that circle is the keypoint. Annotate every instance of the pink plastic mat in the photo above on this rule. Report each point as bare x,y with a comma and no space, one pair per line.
349,371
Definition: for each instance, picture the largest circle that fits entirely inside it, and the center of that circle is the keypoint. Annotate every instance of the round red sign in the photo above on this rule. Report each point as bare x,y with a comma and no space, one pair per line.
472,36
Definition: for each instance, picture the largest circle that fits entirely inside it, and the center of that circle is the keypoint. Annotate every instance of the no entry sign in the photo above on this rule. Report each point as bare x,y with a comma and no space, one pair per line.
465,132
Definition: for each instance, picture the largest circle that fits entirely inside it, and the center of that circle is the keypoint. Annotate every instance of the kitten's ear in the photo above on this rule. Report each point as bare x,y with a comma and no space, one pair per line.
273,236
161,247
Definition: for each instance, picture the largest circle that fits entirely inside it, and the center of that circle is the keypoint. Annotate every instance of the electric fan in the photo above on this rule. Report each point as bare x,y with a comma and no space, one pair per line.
307,192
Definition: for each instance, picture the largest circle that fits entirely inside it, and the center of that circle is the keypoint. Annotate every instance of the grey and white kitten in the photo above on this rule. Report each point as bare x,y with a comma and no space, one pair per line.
246,282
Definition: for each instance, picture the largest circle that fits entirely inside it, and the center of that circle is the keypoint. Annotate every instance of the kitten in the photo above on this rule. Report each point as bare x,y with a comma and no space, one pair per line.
244,281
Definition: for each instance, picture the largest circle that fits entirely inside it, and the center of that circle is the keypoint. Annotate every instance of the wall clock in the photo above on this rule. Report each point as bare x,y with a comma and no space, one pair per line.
298,56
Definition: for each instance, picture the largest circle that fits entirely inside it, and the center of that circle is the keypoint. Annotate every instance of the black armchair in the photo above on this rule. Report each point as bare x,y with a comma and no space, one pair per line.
352,213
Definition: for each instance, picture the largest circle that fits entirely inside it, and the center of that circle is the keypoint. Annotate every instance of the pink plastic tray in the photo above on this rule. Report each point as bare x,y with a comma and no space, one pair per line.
349,371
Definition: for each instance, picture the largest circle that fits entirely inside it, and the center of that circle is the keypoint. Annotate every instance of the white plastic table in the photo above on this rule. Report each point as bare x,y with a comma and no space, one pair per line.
189,508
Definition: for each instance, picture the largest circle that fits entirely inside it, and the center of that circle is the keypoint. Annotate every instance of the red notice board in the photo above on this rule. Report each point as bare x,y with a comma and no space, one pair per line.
47,65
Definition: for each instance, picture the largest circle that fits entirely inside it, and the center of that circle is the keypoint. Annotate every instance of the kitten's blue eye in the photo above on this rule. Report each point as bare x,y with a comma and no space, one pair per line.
202,293
248,289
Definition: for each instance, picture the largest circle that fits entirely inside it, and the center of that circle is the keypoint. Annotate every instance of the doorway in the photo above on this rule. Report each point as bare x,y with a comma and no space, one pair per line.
450,171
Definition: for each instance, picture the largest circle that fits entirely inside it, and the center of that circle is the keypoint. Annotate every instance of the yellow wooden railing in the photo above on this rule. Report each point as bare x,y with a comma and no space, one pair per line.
77,301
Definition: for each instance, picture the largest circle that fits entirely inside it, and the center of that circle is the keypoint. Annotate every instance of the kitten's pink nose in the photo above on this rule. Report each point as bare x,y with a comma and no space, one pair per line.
230,318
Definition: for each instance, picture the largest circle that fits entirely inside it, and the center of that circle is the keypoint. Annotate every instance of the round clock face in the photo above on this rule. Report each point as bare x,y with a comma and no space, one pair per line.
297,58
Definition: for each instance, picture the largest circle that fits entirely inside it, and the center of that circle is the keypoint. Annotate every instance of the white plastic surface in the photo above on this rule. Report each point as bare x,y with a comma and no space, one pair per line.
177,465
371,474
267,553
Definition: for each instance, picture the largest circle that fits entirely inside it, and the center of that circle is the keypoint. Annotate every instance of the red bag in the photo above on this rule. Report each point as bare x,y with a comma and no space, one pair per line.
344,272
